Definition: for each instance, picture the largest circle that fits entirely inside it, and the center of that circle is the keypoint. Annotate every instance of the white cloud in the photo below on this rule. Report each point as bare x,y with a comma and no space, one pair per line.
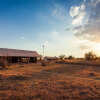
74,11
78,14
79,19
87,22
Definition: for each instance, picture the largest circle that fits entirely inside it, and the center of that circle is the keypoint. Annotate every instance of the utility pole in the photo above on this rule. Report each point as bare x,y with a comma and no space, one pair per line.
43,46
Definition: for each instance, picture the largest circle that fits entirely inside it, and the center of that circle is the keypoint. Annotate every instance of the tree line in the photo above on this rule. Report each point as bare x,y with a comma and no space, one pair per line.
87,56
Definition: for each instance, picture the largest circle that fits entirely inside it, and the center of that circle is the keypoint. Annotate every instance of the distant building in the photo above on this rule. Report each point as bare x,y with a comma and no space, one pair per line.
50,58
16,56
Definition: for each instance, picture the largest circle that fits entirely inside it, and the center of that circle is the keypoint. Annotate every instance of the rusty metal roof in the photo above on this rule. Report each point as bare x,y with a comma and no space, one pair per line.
18,53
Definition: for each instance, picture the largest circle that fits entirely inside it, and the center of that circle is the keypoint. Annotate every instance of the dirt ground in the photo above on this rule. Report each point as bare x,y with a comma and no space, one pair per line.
51,82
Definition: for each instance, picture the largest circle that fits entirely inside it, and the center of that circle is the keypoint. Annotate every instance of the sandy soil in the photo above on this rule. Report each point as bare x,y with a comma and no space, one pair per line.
51,82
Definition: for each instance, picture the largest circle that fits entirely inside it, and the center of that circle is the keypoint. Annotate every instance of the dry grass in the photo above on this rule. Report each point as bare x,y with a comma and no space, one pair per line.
52,82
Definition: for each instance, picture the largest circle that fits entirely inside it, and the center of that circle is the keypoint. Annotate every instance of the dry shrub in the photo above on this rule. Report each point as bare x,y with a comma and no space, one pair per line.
43,63
88,73
18,77
62,57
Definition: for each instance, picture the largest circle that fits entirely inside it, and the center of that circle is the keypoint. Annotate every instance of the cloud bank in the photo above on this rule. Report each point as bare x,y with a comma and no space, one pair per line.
86,20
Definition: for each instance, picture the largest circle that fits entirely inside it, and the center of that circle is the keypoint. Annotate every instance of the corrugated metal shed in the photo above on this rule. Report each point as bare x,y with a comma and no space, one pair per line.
18,53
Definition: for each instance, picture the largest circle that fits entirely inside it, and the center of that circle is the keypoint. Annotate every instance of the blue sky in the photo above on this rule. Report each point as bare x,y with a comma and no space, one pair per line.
61,25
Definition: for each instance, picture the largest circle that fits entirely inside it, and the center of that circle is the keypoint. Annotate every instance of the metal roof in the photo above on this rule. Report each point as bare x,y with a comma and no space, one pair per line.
16,53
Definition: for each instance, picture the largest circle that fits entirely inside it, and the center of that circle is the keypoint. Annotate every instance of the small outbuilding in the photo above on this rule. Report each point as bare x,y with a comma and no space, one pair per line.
18,56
